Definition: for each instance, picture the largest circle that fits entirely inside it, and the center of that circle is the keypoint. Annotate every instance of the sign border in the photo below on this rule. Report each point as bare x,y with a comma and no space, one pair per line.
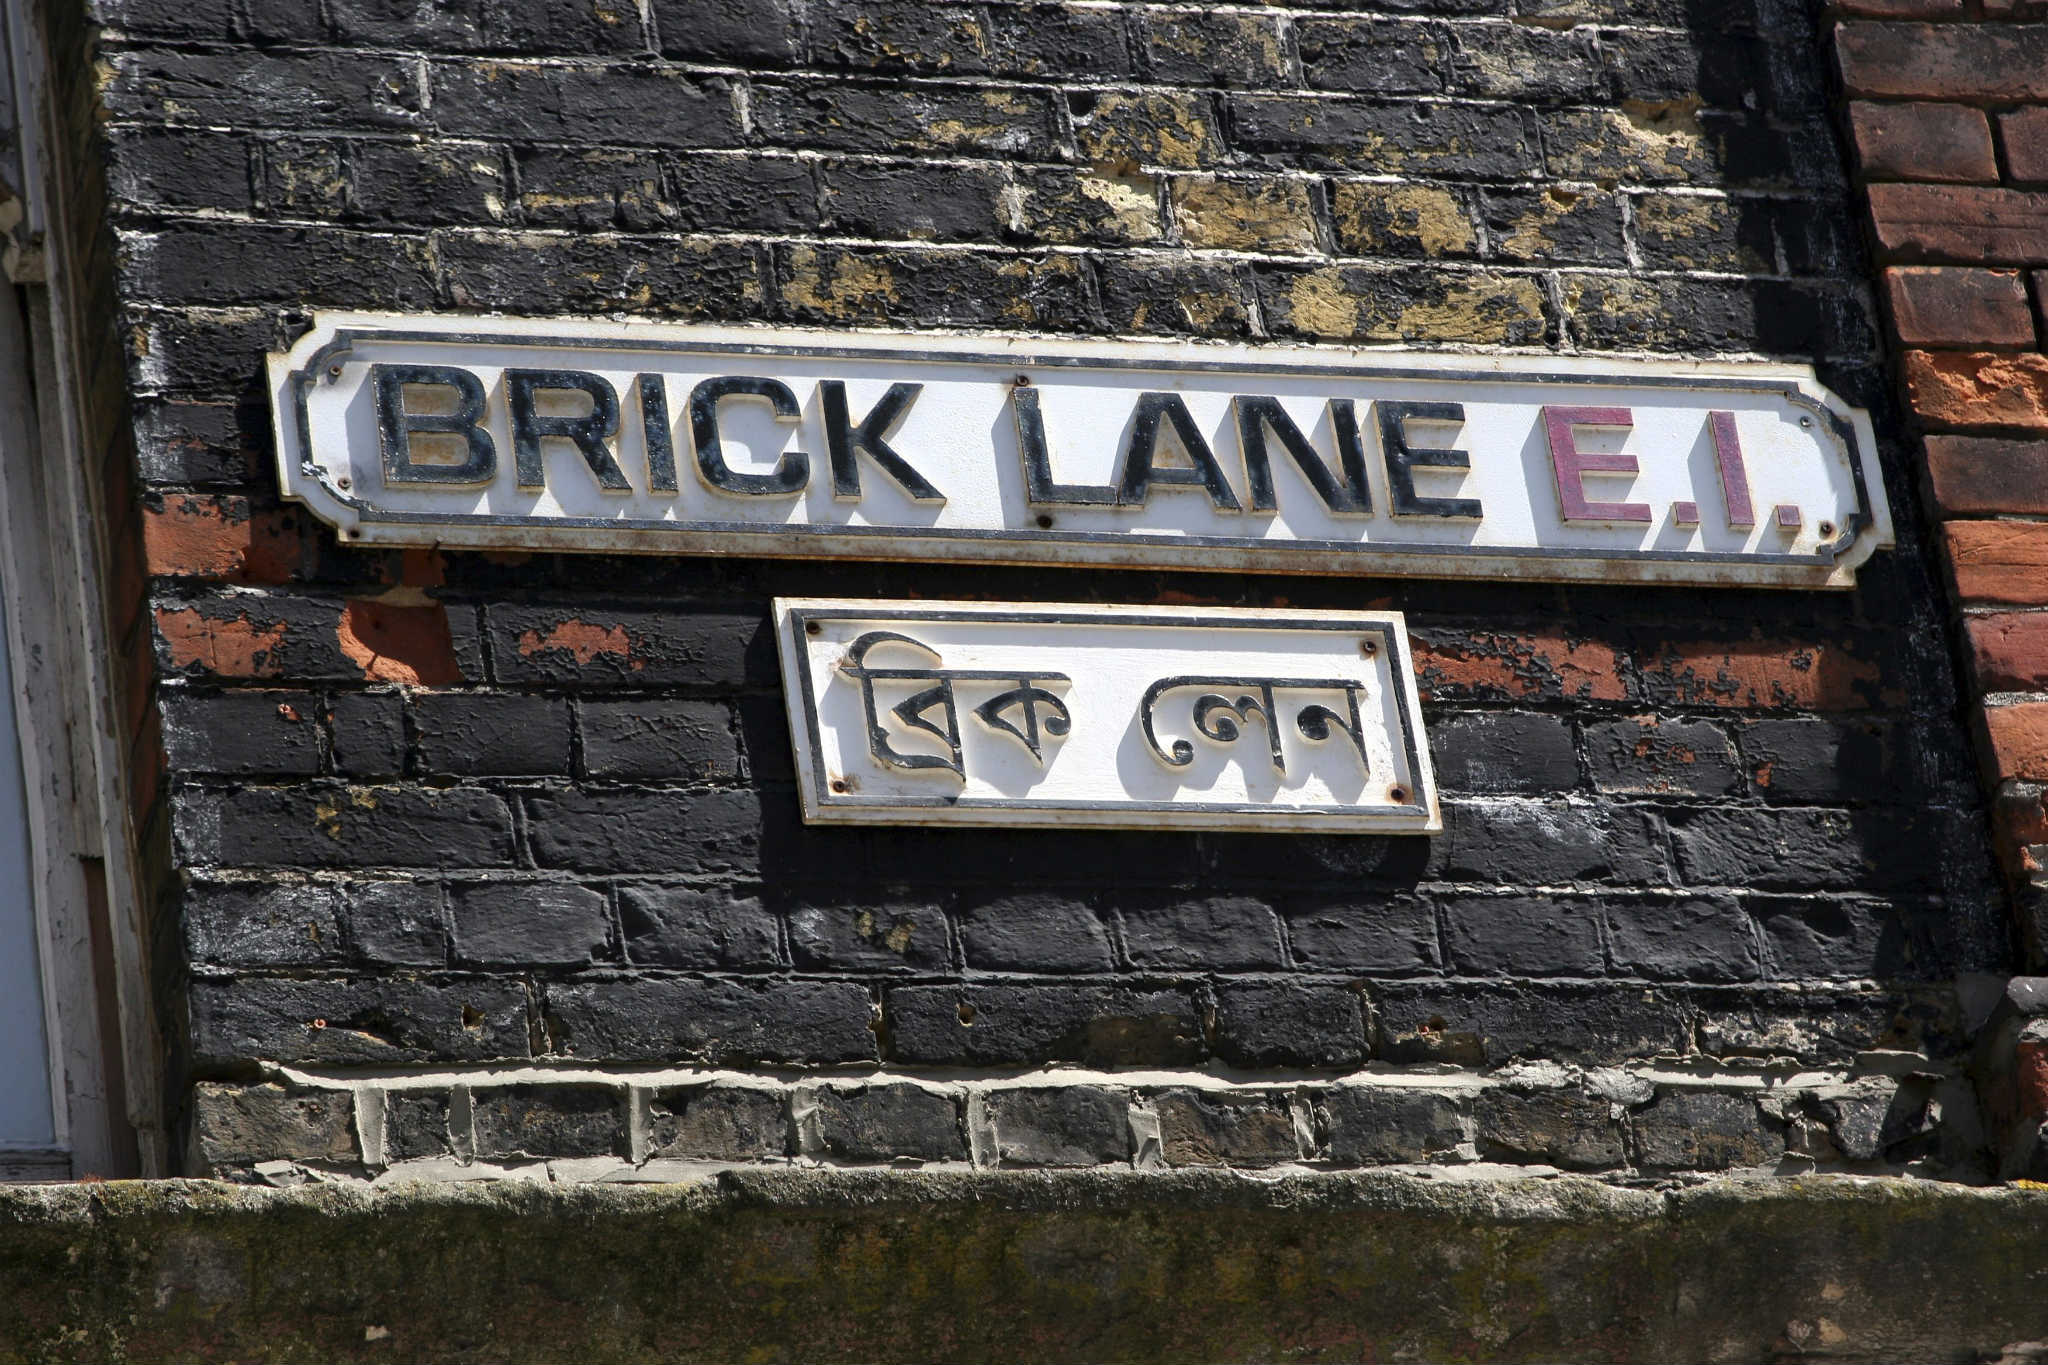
1865,530
1423,815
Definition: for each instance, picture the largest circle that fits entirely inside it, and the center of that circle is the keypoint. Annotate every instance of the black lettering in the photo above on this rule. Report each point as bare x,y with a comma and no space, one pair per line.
587,433
1257,416
1039,488
661,448
844,442
1139,472
395,426
1403,460
792,471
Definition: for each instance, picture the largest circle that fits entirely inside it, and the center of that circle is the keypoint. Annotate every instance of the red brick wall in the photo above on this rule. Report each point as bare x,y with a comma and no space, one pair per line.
1948,106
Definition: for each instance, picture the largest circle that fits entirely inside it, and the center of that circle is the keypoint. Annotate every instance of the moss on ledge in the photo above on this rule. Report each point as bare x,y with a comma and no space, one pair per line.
906,1265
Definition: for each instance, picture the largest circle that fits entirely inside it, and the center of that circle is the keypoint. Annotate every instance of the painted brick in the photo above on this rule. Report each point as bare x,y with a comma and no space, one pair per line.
714,1021
2025,135
747,32
1561,1127
608,832
633,740
1031,39
676,277
1555,226
1015,124
1033,931
357,1023
1371,936
1244,215
243,733
1942,306
1655,755
1820,759
1817,938
1947,142
1803,674
1793,847
1369,1125
491,734
1165,294
525,924
239,925
1697,1131
693,928
1450,140
1075,208
2000,562
1690,938
1190,47
338,826
596,645
867,36
1547,843
179,168
1532,64
1944,61
416,183
562,103
1533,665
998,1023
368,734
883,1122
1373,56
290,92
416,1124
1374,218
901,938
915,202
1228,933
2019,740
1494,1022
724,193
532,1121
1961,224
1490,753
832,285
716,1123
398,923
1515,936
1289,1024
1382,303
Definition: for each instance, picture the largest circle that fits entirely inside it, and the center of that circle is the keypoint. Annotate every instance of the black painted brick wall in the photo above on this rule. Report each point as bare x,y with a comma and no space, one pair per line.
448,808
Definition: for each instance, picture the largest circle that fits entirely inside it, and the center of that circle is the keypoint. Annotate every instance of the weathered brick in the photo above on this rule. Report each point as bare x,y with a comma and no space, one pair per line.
1373,56
2018,741
1081,207
1790,317
595,189
541,1121
844,116
1244,215
1944,61
673,276
1547,843
1945,306
608,832
726,193
1494,1022
1656,144
243,733
1033,39
721,1022
1520,936
1561,1127
224,263
338,826
639,739
693,928
1658,755
884,1122
1487,666
187,535
874,36
716,1123
356,1023
1815,759
600,645
835,285
179,168
1801,674
1815,938
1152,293
1362,934
262,925
990,1023
192,443
1193,47
433,182
748,32
1795,847
1923,141
1033,931
1556,225
306,177
368,730
530,924
1491,753
233,1125
416,1124
1964,224
527,26
1416,139
1514,62
1291,1024
1998,561
2025,135
901,938
1375,218
401,924
1227,933
1204,1128
293,92
915,201
1694,938
1068,1125
1695,1130
1978,388
491,734
1370,1125
651,106
1397,303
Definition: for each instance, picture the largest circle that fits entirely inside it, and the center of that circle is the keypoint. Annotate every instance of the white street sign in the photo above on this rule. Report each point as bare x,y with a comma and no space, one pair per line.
501,433
972,713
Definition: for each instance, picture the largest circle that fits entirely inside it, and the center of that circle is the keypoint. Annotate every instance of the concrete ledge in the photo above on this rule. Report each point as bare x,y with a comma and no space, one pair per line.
1029,1266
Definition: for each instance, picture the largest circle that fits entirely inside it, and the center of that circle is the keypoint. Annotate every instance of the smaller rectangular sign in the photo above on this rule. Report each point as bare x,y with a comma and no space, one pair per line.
969,713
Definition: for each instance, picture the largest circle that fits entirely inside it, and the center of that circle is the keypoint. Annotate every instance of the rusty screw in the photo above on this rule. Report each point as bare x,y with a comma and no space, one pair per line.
1368,648
1398,795
1826,529
839,785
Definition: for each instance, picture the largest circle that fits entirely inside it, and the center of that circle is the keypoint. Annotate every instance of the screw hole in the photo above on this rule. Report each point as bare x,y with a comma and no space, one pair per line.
813,628
1368,648
1398,795
839,785
1044,522
1826,528
1022,381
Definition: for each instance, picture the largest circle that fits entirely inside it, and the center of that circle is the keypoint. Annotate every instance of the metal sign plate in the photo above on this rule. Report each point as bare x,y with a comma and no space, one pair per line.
1132,717
499,433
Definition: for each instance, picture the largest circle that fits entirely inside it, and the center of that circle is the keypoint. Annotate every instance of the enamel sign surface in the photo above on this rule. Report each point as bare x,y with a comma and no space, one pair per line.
623,437
1131,717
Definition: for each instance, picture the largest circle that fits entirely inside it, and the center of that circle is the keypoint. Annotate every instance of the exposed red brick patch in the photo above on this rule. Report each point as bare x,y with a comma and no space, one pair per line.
1480,664
1983,476
2030,1078
1999,561
1765,673
1950,142
2009,650
399,644
423,569
2019,740
191,536
1959,306
1979,388
235,648
581,640
1963,224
